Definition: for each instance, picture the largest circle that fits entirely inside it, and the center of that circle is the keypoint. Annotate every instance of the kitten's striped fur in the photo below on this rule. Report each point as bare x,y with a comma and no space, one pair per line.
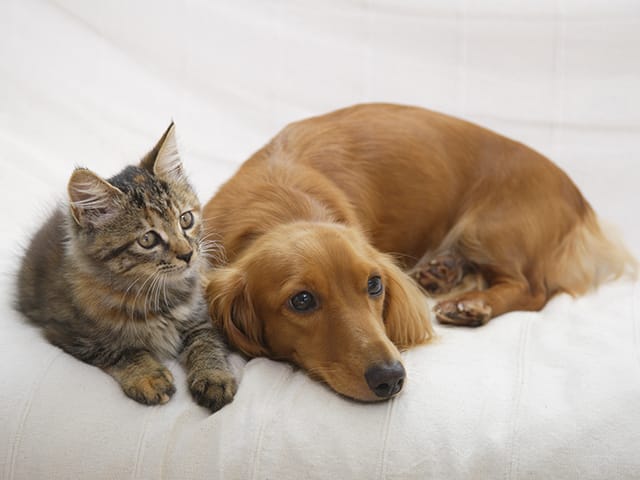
114,279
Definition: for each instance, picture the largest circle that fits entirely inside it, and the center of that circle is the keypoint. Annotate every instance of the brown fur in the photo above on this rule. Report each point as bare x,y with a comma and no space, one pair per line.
315,208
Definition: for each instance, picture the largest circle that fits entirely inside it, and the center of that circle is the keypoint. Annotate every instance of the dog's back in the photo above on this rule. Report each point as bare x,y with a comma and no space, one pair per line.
412,174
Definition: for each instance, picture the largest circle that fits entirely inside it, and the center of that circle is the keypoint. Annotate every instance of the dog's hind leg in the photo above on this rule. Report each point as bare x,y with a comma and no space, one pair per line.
507,248
441,273
476,308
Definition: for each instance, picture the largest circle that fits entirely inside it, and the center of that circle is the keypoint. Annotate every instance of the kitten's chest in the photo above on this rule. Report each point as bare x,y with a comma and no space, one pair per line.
138,320
163,334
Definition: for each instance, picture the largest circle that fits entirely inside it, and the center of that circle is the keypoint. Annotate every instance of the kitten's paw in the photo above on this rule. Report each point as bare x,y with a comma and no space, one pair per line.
212,388
468,313
151,388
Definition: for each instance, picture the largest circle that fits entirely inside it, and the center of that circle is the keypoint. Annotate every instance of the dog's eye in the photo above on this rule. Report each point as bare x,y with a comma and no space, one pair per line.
303,302
374,286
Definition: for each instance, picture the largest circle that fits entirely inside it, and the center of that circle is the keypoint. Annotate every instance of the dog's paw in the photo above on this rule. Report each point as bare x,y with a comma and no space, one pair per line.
468,313
151,388
441,274
212,388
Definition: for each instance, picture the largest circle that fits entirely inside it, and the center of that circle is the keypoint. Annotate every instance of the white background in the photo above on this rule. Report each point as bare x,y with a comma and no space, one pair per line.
95,83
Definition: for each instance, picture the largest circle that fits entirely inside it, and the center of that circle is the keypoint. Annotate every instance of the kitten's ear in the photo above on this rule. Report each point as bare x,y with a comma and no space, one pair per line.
92,199
163,160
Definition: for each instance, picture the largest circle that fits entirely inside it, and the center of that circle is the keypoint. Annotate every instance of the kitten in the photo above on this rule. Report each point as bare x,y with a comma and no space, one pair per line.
114,280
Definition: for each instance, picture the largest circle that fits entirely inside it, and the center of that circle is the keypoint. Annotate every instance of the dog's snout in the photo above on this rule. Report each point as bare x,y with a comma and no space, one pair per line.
385,379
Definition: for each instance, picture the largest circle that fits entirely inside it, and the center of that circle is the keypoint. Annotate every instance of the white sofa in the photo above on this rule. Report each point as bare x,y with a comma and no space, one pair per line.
553,394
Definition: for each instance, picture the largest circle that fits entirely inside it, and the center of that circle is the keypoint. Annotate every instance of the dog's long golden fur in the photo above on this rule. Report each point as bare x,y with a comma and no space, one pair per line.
318,211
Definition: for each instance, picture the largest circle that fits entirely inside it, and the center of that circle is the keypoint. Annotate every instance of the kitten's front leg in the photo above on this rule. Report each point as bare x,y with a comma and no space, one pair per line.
208,375
142,377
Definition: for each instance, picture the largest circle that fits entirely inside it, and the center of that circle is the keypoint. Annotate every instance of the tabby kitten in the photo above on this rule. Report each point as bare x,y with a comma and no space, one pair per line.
114,280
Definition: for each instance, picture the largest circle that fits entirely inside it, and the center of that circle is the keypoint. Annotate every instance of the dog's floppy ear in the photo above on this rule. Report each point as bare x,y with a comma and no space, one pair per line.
232,311
406,313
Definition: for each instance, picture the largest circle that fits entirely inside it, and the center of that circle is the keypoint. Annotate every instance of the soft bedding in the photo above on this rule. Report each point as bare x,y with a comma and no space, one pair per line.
550,394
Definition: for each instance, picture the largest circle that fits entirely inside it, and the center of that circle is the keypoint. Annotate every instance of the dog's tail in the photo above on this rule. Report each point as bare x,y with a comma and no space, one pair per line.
588,256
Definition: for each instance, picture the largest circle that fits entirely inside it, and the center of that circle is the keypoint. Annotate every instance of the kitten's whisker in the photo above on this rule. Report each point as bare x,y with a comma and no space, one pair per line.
211,245
153,293
157,292
141,291
148,297
213,249
215,258
209,239
211,235
126,293
164,291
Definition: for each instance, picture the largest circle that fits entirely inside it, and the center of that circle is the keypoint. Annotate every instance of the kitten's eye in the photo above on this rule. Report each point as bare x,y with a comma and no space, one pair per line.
303,302
149,239
374,286
186,220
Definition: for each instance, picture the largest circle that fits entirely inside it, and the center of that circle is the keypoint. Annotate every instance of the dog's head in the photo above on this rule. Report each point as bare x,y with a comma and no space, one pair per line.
320,296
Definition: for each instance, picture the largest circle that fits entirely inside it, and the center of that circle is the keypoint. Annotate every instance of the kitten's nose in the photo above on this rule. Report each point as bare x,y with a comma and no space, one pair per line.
185,256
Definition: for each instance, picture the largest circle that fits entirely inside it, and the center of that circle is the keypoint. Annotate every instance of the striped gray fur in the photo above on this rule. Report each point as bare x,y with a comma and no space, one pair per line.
114,279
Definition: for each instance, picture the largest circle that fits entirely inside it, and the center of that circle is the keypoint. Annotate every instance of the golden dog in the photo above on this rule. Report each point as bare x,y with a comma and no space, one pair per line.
310,224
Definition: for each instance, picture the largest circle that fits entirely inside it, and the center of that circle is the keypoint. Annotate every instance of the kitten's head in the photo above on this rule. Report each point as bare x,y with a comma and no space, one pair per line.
142,223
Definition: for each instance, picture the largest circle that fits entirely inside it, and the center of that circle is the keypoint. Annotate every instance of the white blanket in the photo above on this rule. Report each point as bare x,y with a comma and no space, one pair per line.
552,394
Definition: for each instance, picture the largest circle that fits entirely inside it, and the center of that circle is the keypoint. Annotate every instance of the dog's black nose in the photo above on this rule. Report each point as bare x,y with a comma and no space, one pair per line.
385,379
